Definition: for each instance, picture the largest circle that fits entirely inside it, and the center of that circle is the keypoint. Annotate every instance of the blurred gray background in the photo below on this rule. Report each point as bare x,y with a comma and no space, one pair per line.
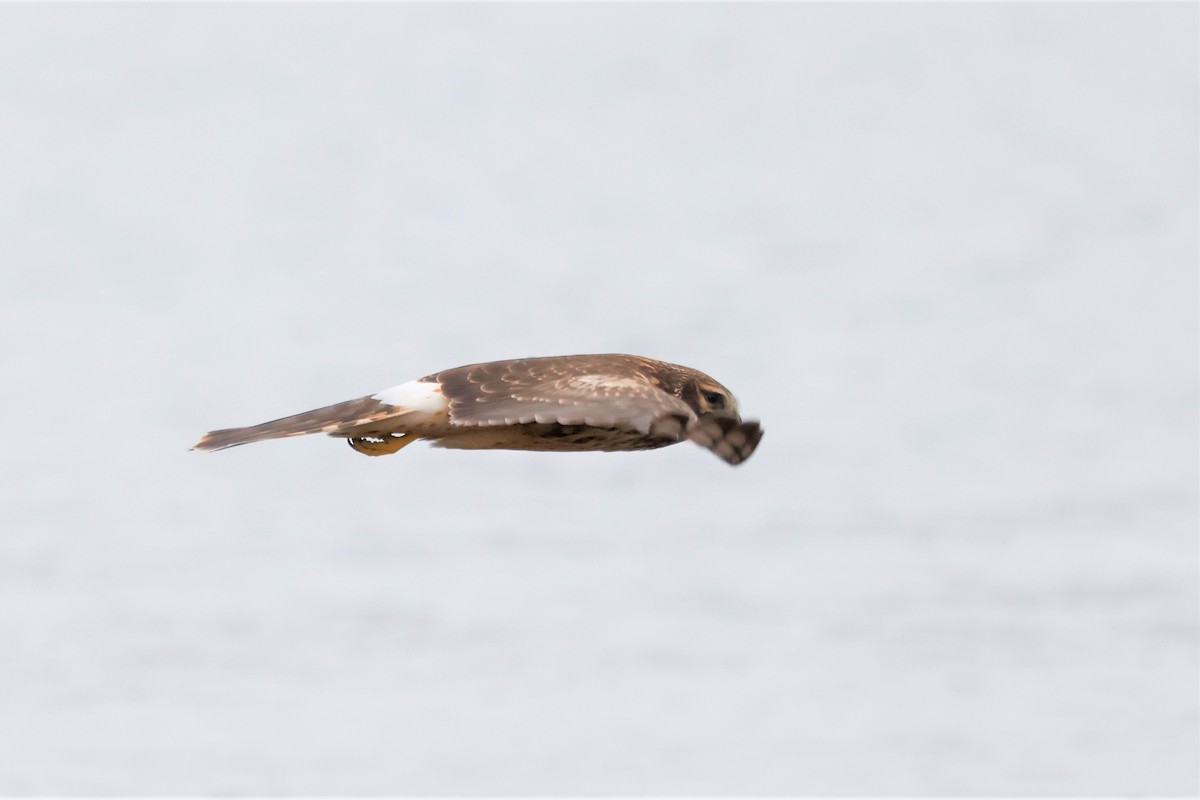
947,254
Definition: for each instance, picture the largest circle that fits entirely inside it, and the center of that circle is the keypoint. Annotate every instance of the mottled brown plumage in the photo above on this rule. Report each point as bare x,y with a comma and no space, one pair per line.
560,403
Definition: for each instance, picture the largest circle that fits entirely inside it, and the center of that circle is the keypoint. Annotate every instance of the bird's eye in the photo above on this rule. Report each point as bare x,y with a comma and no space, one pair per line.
714,399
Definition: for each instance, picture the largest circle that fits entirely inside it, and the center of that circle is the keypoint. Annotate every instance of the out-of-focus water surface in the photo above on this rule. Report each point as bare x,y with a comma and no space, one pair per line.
947,254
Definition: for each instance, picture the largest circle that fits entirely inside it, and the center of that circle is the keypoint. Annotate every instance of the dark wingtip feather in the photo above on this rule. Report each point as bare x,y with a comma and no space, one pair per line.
729,437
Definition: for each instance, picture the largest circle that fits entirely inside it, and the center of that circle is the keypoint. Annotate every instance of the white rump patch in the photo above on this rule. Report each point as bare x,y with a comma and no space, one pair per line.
416,396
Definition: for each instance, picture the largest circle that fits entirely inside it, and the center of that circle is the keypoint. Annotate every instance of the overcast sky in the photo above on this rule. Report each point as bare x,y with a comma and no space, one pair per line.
947,253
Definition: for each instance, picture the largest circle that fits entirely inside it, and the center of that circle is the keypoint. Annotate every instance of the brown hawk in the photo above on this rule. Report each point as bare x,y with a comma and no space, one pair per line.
561,403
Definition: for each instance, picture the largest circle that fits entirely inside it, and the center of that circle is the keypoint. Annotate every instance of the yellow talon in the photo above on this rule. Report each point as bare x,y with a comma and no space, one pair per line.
381,445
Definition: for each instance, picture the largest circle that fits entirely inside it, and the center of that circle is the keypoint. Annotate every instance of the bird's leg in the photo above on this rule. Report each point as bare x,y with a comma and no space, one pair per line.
381,445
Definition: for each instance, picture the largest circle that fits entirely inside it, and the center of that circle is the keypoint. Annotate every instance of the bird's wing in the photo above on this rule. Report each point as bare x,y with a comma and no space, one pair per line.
730,437
607,392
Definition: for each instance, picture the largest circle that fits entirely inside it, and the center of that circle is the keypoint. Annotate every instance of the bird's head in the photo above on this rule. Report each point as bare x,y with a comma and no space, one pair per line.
706,396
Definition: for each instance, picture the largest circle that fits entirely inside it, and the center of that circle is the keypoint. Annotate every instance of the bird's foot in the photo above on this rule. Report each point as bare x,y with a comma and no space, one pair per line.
383,445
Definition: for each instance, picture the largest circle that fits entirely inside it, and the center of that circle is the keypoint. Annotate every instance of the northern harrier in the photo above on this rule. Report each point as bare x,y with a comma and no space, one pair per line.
561,403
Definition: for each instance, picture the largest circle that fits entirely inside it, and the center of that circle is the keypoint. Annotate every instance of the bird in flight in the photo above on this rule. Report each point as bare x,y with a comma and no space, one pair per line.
605,402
